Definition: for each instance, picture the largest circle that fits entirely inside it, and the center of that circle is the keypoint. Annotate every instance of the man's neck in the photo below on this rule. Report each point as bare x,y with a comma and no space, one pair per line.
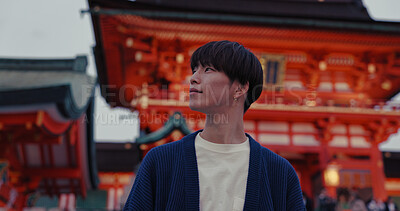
226,128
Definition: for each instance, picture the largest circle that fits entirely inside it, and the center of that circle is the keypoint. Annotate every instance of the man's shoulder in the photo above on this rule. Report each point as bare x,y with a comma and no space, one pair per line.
167,148
274,159
173,147
270,158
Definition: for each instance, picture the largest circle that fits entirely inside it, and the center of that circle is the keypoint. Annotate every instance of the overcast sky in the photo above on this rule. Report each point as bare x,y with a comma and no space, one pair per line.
55,28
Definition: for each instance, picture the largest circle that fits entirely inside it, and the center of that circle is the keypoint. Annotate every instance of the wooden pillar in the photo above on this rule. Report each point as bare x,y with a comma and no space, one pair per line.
324,126
323,155
305,182
78,147
380,131
377,173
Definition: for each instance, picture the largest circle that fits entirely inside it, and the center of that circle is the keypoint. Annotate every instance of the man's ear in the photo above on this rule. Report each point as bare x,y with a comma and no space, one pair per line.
241,89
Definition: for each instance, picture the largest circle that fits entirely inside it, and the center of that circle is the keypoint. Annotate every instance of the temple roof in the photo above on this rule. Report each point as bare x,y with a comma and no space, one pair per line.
338,14
27,84
43,103
353,10
316,29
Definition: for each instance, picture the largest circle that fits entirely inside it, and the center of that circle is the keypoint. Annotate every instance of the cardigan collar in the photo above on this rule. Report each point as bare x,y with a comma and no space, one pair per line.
191,178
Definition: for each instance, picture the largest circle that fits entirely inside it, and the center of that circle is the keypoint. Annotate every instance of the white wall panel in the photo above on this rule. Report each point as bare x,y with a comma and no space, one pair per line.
339,141
32,153
359,142
274,139
357,130
305,140
303,128
273,126
339,129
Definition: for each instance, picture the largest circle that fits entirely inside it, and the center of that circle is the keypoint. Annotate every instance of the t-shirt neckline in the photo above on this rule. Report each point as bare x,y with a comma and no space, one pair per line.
222,148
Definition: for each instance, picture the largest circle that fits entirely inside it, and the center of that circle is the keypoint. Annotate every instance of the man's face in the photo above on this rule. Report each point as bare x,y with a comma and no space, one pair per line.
210,90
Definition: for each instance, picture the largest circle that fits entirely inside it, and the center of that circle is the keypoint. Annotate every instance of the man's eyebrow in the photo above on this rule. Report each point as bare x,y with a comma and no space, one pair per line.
208,66
212,67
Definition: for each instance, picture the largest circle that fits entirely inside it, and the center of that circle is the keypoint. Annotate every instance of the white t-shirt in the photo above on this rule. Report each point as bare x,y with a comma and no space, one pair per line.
223,171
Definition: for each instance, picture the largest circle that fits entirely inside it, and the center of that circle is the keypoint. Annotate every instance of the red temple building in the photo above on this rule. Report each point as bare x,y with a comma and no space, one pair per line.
329,71
46,132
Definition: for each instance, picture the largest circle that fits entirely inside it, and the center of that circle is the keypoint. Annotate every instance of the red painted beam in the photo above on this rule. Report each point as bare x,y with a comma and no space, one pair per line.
352,151
354,164
284,112
60,187
298,149
17,119
312,113
40,140
53,172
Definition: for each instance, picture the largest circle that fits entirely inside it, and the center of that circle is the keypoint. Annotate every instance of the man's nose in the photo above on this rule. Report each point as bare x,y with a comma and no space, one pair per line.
194,78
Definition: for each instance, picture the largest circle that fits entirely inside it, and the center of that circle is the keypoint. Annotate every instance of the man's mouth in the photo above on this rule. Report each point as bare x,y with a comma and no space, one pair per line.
193,90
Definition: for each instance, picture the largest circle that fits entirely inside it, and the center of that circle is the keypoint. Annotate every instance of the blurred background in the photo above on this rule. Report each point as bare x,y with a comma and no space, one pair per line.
88,87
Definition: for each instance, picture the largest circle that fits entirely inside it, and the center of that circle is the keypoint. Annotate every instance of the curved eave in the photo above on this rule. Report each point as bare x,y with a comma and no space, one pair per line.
370,26
176,121
41,118
50,126
91,145
352,10
98,52
60,95
100,60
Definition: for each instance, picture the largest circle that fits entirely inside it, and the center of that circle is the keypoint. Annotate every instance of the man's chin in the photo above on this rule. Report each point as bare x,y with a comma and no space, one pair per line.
193,107
196,108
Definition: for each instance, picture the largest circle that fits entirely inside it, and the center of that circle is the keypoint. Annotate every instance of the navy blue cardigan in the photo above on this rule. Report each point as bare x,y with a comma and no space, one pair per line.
168,180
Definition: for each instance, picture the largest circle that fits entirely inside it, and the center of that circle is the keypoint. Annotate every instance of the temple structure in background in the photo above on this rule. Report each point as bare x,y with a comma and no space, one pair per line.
329,70
46,132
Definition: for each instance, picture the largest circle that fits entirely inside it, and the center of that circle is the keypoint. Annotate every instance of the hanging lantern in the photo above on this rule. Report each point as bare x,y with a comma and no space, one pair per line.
138,56
371,68
129,42
322,65
386,85
180,58
331,175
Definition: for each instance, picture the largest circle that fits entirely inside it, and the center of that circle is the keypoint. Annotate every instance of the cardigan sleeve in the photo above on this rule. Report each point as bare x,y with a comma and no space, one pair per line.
141,196
294,194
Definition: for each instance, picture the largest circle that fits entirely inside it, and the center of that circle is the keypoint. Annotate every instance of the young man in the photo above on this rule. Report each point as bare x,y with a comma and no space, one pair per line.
220,167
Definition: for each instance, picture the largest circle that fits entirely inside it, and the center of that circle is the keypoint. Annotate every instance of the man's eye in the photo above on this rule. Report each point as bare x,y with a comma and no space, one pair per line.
208,69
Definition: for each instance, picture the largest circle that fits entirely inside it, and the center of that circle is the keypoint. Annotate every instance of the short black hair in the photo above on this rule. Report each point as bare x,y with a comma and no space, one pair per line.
237,62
